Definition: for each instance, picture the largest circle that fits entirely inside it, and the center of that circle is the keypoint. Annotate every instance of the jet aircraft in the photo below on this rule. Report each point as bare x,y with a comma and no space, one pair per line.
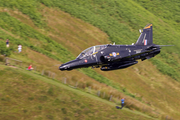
112,57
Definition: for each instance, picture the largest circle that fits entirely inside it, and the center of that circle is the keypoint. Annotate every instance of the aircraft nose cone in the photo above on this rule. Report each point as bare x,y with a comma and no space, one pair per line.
65,67
62,67
69,65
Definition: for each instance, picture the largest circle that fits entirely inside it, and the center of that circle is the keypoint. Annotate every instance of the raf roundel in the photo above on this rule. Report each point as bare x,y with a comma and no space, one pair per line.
85,61
114,54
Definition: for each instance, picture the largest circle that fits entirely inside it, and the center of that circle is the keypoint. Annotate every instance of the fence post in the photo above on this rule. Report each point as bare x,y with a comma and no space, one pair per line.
104,95
89,89
6,61
49,73
98,93
42,72
65,81
76,84
110,98
53,75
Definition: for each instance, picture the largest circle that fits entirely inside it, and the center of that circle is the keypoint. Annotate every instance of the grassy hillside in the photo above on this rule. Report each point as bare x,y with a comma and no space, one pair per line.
30,96
50,36
121,21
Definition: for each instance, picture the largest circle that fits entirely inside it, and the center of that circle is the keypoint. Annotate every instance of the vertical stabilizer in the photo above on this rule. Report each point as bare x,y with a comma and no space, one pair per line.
146,37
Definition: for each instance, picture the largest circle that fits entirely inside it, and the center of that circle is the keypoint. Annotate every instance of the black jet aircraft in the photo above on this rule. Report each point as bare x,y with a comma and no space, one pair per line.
112,57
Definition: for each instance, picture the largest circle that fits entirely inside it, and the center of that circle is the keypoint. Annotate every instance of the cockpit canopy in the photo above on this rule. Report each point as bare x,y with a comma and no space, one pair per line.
91,50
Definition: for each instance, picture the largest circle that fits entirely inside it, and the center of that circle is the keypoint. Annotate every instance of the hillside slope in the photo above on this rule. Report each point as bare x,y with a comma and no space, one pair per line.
29,96
50,36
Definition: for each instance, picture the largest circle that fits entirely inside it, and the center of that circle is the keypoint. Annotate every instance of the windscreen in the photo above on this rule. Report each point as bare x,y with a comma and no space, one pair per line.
91,50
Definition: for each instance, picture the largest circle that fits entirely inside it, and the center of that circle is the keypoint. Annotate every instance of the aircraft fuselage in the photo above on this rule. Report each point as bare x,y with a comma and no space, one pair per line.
113,57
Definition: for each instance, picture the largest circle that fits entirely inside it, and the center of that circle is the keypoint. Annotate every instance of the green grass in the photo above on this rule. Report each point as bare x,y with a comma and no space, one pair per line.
119,19
31,96
29,7
122,19
61,38
62,54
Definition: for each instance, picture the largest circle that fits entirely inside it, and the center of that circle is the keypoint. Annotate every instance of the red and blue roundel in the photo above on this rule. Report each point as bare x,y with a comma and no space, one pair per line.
114,54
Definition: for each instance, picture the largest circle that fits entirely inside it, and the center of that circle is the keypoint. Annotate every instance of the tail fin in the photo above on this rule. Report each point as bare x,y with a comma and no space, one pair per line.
146,37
